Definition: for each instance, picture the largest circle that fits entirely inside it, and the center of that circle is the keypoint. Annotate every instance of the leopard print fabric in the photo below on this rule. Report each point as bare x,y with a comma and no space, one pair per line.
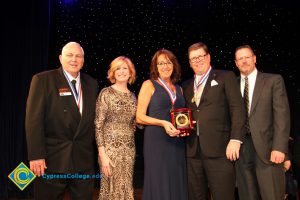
115,127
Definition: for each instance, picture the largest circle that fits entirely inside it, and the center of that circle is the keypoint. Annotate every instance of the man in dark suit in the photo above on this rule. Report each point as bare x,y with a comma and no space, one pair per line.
260,172
218,109
60,127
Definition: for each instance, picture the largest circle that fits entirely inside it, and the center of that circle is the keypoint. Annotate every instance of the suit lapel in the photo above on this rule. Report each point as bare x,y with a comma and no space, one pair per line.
67,101
239,81
259,83
212,75
86,101
190,92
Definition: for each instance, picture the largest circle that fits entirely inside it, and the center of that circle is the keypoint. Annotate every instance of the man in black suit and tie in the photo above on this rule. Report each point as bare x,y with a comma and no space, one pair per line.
60,127
260,171
220,115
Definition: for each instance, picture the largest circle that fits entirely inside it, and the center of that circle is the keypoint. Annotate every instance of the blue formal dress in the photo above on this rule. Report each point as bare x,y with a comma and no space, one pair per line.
164,156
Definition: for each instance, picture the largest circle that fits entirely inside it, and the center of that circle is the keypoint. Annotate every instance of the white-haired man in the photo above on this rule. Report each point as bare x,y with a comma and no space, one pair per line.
60,127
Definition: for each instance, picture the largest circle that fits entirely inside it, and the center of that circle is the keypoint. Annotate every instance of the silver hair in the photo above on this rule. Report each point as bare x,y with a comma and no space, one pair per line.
72,43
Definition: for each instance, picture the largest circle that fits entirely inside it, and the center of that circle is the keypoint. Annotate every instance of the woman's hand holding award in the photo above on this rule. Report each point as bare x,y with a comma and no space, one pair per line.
182,120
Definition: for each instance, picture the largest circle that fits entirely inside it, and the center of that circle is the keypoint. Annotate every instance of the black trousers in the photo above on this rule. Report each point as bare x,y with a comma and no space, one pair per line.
53,189
217,174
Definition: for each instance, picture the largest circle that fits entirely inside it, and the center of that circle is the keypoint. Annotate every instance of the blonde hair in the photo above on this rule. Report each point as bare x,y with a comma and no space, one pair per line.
116,63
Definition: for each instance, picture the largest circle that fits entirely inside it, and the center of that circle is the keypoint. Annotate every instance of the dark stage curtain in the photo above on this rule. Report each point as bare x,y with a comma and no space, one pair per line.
24,52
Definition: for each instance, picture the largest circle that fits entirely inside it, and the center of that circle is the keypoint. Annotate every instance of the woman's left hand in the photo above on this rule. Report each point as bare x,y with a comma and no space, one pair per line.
170,129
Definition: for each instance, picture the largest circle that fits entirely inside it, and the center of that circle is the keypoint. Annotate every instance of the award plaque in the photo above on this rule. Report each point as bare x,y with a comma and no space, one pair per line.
182,119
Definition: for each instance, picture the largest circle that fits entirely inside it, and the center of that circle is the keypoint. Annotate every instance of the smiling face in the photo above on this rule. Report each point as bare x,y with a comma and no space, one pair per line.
122,73
245,60
164,67
199,61
72,58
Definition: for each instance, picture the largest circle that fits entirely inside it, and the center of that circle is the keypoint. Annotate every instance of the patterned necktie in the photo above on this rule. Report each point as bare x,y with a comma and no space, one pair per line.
246,100
74,87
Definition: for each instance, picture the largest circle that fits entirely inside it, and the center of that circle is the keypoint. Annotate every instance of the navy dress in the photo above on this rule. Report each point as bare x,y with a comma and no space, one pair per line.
164,156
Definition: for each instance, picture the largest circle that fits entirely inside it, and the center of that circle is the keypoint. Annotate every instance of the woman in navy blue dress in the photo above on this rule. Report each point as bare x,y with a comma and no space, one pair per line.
164,148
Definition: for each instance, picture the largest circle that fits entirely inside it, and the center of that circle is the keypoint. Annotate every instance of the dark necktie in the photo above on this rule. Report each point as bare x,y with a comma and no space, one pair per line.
74,87
246,100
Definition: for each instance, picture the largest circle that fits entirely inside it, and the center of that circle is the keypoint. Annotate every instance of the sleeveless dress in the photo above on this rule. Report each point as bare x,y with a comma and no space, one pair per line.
164,156
115,116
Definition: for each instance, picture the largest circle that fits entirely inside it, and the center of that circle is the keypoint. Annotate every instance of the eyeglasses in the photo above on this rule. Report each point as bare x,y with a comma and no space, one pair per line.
242,58
197,58
164,63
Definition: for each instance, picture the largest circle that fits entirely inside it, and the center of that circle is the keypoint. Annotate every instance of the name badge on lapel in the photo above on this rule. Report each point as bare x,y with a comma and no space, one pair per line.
64,92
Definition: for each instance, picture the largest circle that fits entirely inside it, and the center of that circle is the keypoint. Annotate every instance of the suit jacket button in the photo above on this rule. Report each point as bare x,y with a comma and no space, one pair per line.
65,110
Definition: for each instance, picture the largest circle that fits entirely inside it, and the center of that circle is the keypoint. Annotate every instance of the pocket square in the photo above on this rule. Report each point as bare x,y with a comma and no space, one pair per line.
213,83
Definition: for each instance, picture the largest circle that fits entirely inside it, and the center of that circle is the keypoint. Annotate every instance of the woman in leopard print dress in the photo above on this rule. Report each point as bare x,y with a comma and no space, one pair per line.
115,127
